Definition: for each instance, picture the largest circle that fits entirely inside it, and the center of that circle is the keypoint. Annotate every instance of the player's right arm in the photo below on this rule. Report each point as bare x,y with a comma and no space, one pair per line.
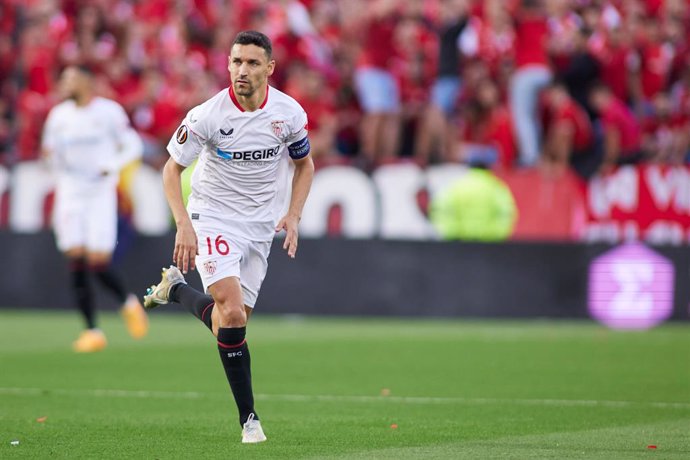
186,245
184,147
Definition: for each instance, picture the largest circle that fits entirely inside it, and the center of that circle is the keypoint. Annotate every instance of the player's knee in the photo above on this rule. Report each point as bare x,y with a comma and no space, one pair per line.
75,253
231,315
98,259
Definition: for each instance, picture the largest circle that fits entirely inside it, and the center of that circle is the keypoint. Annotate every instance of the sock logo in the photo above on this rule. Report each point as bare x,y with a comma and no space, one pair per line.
235,354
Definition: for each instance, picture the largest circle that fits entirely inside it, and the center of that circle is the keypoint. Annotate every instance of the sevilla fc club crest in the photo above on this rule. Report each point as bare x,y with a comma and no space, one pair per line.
210,267
279,128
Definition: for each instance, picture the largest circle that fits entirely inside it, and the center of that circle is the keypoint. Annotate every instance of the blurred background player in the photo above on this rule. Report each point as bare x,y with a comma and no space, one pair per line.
87,140
243,138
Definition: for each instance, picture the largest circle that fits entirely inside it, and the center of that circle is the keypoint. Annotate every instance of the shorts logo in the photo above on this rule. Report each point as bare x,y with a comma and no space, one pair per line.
279,128
210,267
181,134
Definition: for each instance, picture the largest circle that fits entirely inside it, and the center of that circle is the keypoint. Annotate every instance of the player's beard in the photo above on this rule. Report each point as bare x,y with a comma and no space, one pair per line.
246,91
71,95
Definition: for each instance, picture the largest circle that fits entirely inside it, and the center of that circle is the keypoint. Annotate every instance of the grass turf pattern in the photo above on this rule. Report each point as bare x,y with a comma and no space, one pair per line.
347,388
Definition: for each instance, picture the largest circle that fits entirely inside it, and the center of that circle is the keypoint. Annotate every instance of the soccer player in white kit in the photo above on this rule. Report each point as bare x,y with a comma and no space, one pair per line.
88,140
244,138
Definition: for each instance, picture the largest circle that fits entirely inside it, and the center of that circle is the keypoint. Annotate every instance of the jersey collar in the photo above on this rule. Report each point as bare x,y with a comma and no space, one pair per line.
234,100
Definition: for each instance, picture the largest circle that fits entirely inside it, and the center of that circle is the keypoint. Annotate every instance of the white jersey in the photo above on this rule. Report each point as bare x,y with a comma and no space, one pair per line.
86,142
242,173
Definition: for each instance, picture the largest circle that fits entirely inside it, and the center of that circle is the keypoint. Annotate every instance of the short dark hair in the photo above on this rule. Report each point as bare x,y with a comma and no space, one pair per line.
252,37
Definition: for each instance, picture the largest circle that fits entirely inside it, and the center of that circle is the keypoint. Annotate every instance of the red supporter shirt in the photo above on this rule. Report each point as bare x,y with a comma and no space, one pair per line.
531,33
317,109
32,109
563,29
662,131
618,117
681,98
495,130
576,117
653,7
415,75
153,11
378,47
614,68
654,124
290,47
494,48
656,63
126,89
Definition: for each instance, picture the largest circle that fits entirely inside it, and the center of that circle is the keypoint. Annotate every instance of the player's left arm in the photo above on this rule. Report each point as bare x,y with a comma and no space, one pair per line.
301,183
298,149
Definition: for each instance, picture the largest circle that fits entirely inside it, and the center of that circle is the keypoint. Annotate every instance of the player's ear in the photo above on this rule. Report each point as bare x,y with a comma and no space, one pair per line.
271,67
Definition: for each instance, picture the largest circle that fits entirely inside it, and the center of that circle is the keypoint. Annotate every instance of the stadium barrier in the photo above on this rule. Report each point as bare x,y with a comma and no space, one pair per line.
651,203
405,278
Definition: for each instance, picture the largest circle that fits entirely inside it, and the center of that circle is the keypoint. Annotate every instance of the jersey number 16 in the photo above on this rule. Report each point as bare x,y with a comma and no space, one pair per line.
221,245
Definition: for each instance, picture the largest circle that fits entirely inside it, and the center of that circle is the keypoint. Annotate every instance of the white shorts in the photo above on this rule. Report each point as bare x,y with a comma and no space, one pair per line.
86,219
223,255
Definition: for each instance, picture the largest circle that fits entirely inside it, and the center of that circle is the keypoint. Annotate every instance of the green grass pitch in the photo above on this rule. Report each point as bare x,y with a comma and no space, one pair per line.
347,388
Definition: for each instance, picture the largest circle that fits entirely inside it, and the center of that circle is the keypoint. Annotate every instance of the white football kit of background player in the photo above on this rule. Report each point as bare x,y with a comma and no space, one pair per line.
88,147
240,183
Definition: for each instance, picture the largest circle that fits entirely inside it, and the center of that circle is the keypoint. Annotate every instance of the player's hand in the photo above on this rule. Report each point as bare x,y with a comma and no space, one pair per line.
186,247
289,223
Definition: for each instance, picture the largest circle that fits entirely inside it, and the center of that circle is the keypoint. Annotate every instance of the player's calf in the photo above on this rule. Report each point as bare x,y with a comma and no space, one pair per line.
236,360
174,288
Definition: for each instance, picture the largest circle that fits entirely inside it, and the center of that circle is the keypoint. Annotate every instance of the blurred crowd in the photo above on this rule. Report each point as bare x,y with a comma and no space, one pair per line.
512,83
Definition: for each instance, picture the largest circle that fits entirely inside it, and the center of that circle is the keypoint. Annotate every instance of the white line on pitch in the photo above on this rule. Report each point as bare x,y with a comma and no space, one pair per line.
345,398
103,393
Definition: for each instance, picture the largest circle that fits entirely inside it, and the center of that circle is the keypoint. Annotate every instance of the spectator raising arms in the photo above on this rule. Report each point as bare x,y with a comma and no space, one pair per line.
435,127
532,73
